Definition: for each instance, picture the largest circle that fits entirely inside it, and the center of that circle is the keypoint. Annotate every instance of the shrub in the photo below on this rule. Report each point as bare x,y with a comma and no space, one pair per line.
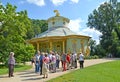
92,57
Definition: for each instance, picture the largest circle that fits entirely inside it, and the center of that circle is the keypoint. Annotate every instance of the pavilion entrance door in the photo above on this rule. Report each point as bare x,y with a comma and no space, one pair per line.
57,46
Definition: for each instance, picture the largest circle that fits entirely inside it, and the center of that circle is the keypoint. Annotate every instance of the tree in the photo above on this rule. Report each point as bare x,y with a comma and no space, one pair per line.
13,28
117,29
92,47
37,27
96,49
100,21
99,51
104,19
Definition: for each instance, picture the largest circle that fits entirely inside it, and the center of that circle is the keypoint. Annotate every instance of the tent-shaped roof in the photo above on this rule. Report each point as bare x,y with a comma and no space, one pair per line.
57,26
56,31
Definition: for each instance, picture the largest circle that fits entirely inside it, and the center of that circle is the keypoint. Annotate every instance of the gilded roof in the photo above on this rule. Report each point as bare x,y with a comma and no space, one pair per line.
60,17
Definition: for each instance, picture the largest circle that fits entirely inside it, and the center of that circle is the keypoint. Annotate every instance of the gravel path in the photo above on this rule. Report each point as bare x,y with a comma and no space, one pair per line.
30,76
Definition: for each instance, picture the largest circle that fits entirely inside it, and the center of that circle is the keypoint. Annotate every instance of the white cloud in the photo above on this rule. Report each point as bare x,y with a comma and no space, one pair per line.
37,2
21,2
42,2
92,33
90,0
58,2
75,26
75,1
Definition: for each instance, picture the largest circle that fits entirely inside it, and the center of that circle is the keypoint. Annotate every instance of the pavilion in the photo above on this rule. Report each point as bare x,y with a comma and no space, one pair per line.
60,38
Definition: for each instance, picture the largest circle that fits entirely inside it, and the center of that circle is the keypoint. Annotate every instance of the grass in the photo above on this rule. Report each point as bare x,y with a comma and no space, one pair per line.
105,72
4,70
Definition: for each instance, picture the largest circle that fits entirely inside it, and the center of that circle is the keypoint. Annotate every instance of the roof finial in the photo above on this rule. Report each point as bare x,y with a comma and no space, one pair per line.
57,12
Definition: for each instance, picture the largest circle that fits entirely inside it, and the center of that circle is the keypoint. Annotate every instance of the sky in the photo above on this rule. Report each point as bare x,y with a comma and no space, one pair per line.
76,10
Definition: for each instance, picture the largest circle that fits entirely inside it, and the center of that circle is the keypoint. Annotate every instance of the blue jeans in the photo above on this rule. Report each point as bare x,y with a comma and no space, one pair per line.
57,63
37,67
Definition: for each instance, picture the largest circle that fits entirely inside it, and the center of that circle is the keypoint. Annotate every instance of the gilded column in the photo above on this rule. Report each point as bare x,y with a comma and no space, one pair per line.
82,45
37,46
63,46
88,48
74,45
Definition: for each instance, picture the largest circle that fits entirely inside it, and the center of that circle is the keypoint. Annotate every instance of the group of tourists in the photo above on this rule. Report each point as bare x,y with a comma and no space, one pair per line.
45,62
50,62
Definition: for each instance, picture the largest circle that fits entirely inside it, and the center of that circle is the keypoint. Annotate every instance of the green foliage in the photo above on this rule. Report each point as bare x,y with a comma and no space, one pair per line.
118,51
96,50
105,72
106,20
101,20
37,27
13,32
100,51
92,57
25,53
92,47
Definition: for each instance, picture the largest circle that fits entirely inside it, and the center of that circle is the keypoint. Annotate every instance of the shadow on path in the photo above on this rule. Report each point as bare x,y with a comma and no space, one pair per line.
26,72
32,78
4,76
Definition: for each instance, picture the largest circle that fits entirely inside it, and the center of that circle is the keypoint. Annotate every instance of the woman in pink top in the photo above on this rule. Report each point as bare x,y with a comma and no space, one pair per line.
45,66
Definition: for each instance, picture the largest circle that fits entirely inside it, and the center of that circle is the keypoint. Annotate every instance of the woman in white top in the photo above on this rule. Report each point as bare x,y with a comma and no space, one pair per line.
81,60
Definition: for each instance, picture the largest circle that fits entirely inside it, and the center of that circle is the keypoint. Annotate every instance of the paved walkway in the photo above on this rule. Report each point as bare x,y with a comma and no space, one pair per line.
30,76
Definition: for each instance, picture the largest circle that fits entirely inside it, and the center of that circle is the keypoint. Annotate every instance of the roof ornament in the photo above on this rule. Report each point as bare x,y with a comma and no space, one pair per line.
57,12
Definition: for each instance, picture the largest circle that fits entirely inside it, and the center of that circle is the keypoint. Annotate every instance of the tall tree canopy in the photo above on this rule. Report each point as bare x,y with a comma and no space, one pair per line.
13,28
105,19
92,47
37,27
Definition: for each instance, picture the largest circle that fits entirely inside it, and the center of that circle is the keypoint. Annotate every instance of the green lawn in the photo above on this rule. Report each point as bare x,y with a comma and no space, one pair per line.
4,70
105,72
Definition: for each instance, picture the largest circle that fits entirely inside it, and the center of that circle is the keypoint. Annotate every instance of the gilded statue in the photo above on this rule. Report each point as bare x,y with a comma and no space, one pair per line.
57,12
88,51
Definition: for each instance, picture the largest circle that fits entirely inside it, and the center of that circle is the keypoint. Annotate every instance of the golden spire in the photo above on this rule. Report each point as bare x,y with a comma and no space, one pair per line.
57,12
